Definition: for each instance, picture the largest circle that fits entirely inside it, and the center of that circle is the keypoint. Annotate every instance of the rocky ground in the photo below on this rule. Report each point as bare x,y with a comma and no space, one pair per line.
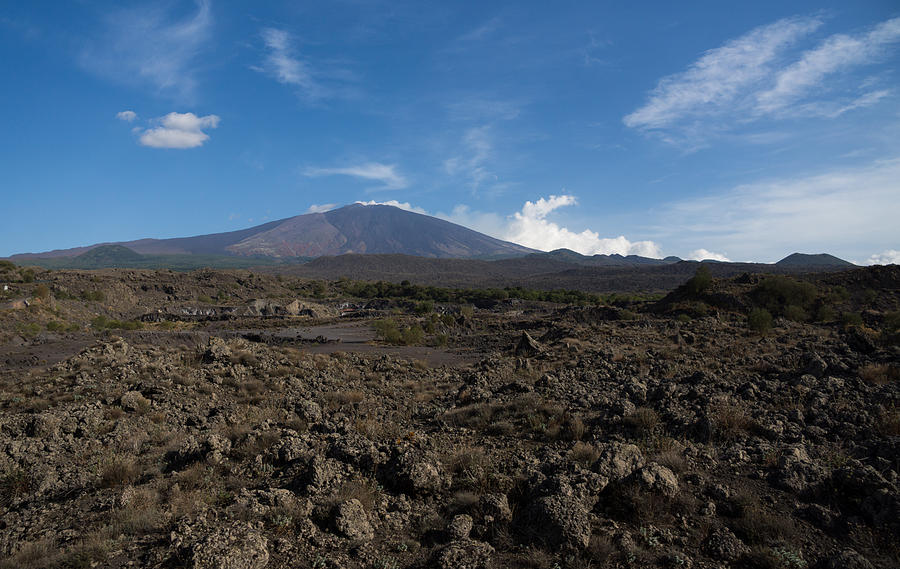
680,433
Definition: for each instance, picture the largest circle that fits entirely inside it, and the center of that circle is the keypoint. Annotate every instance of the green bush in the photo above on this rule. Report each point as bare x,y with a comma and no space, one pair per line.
795,313
825,313
42,291
103,323
412,335
387,330
28,275
93,295
759,320
204,299
775,294
851,319
892,322
424,307
701,281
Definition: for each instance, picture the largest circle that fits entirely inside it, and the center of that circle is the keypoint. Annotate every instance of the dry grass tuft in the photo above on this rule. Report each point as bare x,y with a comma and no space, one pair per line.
118,470
584,453
879,374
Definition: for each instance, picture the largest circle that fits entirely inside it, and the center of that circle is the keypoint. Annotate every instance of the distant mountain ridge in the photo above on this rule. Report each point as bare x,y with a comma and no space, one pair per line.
359,231
355,228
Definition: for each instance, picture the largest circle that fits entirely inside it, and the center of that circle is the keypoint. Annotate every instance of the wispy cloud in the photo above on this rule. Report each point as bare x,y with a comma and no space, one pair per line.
762,75
477,34
477,147
836,53
284,64
842,211
387,174
720,76
145,46
178,130
127,116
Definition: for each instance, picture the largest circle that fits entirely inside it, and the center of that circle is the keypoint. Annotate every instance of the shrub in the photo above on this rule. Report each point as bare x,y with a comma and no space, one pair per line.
387,330
795,313
28,275
93,295
42,291
102,322
825,313
851,319
424,307
759,320
701,281
413,335
777,293
205,299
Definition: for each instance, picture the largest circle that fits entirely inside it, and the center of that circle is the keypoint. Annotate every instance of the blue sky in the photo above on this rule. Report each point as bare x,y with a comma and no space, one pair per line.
729,130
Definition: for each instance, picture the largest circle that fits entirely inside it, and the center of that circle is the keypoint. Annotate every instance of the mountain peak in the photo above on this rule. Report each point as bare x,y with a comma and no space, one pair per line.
809,260
353,228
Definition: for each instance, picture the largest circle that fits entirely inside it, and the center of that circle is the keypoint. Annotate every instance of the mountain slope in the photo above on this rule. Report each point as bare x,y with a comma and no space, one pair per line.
355,228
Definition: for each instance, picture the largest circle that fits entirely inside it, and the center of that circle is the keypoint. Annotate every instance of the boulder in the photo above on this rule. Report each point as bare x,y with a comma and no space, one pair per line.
352,521
236,547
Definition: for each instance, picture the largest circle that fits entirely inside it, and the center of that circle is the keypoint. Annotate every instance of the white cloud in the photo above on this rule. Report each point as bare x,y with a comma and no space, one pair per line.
841,211
127,116
704,255
179,130
402,205
888,257
836,53
720,76
385,173
529,227
145,46
321,208
762,75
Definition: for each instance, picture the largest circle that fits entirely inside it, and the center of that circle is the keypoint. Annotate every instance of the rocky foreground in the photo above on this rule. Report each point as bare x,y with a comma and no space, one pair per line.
657,435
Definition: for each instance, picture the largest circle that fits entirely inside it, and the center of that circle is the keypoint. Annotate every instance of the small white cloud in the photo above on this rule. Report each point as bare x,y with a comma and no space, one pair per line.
179,130
402,205
321,208
888,257
385,173
127,116
704,255
529,227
